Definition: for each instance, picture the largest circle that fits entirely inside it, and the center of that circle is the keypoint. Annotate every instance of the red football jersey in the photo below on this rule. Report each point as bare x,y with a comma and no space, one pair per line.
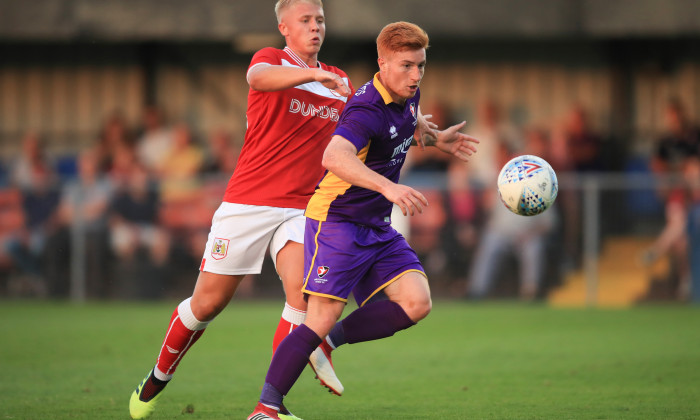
288,130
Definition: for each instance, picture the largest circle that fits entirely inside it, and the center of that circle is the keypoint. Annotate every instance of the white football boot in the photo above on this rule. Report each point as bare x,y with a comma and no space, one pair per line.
321,363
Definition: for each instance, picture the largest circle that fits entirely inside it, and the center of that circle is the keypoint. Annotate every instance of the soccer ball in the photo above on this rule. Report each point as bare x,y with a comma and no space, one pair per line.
527,185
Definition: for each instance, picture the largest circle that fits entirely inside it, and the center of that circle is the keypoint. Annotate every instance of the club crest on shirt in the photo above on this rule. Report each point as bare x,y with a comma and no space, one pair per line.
412,107
220,248
322,270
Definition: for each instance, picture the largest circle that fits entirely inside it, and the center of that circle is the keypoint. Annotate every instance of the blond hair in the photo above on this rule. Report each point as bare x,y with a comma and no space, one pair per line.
401,36
284,4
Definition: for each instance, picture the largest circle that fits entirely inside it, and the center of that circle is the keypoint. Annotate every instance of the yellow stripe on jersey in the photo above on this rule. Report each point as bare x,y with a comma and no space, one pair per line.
382,90
328,190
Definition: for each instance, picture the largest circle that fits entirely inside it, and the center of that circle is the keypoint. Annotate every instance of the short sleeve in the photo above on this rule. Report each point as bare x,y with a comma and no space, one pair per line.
267,55
359,125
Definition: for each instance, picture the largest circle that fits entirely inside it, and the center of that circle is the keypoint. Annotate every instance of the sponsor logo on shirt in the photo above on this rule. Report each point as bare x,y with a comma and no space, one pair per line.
326,112
403,147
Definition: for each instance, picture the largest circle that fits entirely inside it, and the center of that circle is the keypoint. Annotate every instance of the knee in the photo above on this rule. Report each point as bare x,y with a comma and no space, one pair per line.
418,308
207,308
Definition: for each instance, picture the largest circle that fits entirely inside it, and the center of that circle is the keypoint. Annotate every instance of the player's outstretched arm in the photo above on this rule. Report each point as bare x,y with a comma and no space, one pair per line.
452,141
270,78
340,157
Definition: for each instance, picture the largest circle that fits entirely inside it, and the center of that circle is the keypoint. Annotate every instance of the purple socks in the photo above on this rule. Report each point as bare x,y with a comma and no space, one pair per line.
371,322
289,361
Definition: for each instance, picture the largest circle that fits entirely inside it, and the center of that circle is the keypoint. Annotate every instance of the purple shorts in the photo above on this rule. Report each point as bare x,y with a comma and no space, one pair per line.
343,257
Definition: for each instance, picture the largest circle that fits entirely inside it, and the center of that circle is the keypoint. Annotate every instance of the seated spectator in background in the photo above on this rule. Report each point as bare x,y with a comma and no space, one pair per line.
221,158
133,219
140,245
221,155
82,214
31,163
155,141
85,199
505,232
113,139
186,206
180,166
123,160
27,245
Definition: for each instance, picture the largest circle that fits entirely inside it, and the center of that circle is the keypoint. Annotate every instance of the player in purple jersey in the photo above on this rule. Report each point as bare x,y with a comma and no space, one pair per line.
349,242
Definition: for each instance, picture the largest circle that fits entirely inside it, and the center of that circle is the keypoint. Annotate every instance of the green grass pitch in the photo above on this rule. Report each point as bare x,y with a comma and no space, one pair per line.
465,361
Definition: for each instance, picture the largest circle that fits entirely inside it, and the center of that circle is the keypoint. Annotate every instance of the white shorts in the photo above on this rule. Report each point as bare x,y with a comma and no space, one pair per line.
241,233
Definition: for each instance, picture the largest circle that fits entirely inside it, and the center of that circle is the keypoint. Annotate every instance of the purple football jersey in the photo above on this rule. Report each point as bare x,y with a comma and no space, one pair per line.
382,131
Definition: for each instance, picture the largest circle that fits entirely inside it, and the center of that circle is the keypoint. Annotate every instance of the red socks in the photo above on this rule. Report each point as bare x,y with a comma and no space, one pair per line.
291,318
184,330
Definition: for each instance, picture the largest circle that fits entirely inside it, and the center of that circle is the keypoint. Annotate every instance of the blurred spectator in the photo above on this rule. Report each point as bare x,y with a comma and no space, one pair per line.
136,237
221,154
464,210
581,142
27,245
428,235
575,148
680,141
179,167
114,138
186,207
27,207
676,154
505,232
31,163
123,160
496,137
156,141
426,231
82,214
134,218
692,179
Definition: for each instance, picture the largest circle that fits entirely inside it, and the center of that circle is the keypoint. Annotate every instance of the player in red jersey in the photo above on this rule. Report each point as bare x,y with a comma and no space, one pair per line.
293,104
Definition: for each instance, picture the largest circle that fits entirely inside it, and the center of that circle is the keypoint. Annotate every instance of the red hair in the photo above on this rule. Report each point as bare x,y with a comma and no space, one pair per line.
401,36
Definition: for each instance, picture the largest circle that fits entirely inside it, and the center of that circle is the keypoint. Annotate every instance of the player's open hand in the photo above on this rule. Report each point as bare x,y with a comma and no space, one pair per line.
410,201
452,141
333,82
